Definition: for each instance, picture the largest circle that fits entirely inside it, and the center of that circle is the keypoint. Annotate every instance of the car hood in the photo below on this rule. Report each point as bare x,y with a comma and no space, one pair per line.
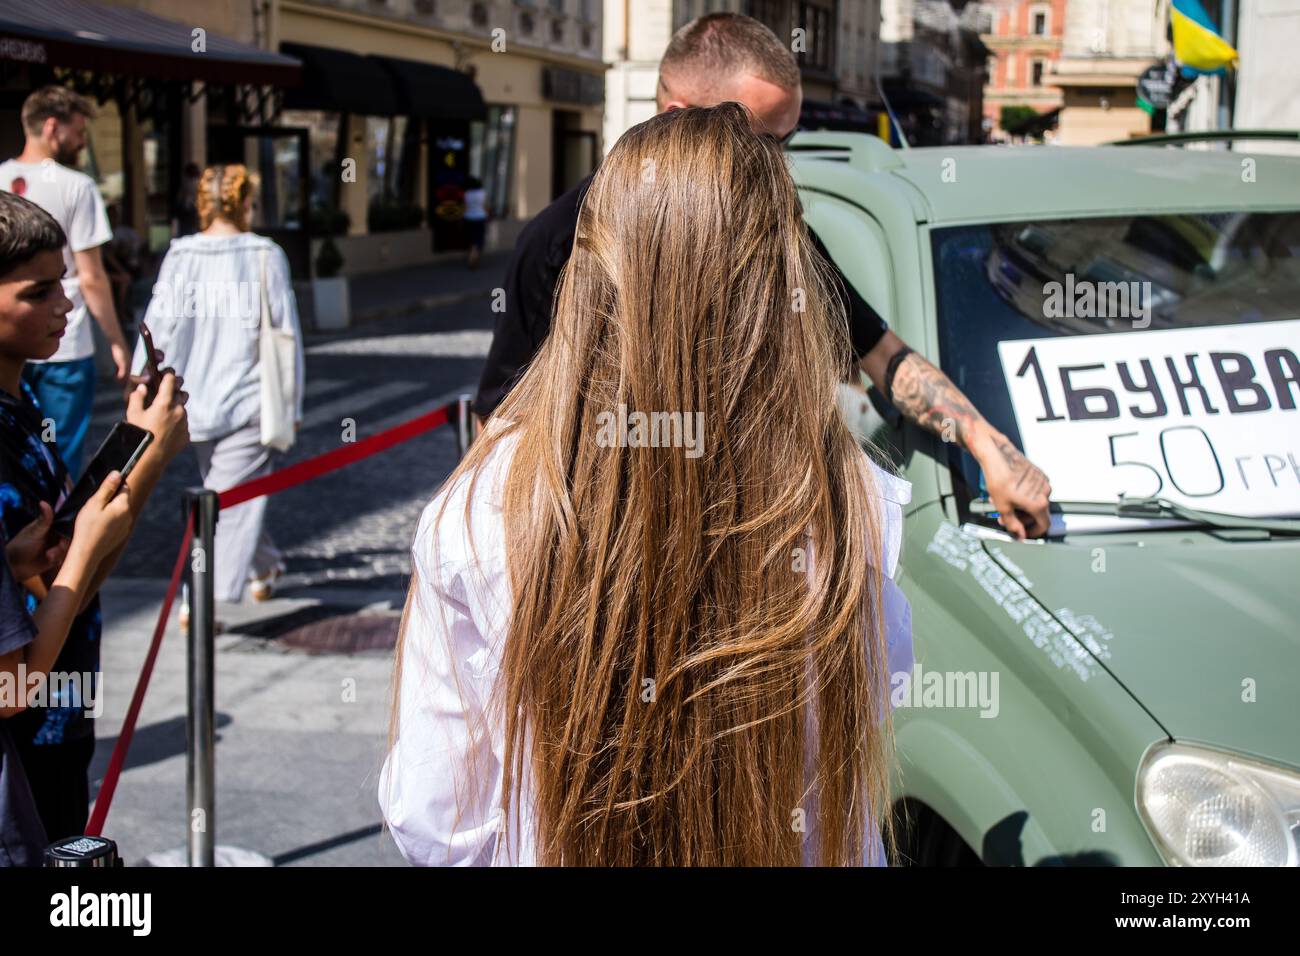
1204,633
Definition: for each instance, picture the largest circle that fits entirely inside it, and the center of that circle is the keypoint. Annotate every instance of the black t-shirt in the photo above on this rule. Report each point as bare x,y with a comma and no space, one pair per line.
31,471
22,836
540,253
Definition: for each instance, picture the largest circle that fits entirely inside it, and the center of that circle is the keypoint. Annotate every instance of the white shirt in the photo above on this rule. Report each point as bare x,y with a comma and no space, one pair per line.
440,788
73,200
475,204
205,317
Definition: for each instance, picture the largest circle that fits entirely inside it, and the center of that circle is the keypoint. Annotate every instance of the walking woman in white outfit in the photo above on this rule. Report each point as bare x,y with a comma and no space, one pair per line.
667,644
205,317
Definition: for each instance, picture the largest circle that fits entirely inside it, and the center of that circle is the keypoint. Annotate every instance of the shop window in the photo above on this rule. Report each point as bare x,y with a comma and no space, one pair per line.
324,174
491,158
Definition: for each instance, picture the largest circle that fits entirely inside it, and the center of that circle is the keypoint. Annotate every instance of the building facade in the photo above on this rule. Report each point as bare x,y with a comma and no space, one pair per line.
365,119
1025,43
1106,46
835,42
538,68
934,68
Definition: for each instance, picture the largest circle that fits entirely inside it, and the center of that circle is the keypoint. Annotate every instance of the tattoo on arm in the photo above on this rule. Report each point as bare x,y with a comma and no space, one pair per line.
928,397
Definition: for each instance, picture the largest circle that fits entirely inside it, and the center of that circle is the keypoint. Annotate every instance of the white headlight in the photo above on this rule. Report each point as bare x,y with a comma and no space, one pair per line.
1204,807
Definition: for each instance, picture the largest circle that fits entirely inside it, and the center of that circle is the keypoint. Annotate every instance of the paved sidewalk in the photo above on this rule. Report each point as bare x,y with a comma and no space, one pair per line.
448,281
300,737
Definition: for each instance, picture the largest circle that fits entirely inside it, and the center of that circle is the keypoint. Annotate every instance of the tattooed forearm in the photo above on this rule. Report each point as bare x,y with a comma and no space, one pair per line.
928,397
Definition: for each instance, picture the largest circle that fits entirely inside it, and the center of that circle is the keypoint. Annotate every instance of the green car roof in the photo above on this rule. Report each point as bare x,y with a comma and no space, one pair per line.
955,184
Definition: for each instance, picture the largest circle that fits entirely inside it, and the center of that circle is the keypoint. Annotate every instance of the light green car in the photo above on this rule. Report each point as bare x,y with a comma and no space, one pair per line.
1126,692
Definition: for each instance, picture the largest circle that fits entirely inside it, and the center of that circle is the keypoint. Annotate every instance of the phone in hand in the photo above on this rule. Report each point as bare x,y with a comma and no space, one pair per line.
153,373
119,452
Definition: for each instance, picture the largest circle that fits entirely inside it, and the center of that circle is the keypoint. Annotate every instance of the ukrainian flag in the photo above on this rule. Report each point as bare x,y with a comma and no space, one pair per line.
1197,46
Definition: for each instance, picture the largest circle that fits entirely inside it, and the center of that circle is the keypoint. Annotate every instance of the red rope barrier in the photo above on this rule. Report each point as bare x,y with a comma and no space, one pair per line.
277,481
302,471
105,798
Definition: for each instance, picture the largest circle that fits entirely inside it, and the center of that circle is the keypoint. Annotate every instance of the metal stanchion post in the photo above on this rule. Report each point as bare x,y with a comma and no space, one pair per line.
201,849
200,762
464,423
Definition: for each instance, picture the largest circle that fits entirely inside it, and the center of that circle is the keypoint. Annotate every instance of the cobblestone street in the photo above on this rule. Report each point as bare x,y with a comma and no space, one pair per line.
354,524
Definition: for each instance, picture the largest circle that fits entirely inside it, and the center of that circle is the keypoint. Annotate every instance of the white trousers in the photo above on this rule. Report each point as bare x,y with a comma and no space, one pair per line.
244,549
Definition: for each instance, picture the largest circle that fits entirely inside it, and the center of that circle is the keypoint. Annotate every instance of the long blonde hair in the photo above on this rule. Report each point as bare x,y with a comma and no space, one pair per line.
666,648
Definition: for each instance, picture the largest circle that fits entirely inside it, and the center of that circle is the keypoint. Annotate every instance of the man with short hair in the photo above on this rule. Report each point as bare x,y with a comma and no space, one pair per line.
725,57
54,119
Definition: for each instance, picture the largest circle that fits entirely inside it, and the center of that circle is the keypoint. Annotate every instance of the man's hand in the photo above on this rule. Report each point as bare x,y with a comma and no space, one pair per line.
1017,488
927,397
33,551
165,417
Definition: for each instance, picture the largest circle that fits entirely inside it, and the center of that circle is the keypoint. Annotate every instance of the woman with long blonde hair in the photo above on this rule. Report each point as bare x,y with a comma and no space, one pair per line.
651,617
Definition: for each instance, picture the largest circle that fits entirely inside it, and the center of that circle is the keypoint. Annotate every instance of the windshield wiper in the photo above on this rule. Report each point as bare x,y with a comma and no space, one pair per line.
1164,508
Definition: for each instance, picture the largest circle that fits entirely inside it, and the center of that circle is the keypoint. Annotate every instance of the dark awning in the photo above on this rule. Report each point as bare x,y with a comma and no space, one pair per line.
342,82
437,92
81,35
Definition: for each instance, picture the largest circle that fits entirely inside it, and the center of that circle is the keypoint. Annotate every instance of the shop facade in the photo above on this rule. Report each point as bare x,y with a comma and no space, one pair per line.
401,108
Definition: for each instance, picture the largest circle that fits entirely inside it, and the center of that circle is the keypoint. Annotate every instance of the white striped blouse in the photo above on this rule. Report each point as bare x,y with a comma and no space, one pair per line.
205,317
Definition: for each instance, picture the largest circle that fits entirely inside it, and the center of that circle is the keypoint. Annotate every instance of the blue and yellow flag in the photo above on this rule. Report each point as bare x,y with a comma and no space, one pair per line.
1197,46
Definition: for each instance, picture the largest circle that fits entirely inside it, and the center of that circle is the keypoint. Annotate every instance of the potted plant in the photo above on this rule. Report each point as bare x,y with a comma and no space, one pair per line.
332,304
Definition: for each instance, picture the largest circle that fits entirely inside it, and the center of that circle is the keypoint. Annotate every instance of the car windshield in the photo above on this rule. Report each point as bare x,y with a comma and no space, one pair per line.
1133,356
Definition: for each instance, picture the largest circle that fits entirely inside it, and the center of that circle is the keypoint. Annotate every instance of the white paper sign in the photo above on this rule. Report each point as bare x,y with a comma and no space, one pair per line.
1206,417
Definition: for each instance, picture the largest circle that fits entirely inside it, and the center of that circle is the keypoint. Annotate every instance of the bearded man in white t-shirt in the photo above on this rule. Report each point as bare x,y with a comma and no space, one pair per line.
54,119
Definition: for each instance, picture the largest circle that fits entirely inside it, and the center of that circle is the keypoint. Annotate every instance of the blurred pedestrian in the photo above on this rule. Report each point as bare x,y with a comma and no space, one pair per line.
476,217
215,292
54,120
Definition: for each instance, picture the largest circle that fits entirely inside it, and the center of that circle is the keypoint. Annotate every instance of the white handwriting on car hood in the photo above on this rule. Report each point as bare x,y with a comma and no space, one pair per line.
1066,638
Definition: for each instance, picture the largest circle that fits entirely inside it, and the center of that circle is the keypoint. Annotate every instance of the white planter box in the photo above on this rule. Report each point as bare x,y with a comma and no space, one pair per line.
331,305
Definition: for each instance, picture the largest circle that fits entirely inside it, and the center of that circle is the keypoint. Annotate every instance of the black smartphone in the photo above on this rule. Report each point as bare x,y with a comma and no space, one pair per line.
119,452
151,369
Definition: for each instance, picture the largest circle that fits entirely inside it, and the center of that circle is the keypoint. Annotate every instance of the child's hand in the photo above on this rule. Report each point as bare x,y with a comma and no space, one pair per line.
146,378
165,417
104,521
33,551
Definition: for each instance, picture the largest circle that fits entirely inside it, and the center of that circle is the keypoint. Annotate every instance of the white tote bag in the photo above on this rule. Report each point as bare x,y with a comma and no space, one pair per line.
277,355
